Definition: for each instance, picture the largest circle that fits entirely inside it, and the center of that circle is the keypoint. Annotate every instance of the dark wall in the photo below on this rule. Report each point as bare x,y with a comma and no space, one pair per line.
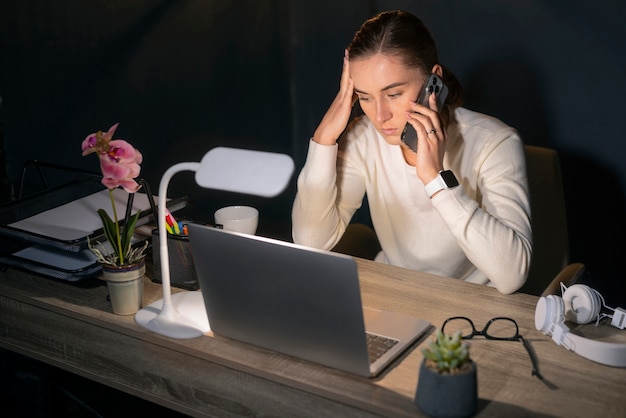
184,76
181,77
555,71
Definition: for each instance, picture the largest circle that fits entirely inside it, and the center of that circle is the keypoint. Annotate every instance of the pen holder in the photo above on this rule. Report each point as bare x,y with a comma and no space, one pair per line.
182,268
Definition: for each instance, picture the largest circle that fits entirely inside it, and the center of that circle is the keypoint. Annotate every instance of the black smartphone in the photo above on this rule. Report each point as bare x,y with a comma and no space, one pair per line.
434,84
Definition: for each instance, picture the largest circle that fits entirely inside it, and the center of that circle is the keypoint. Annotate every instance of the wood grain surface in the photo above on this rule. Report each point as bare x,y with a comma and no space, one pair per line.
72,326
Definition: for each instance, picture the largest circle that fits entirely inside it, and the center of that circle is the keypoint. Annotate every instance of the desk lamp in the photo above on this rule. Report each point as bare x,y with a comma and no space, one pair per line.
259,173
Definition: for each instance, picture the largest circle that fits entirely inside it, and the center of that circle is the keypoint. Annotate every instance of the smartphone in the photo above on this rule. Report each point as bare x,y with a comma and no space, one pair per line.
434,84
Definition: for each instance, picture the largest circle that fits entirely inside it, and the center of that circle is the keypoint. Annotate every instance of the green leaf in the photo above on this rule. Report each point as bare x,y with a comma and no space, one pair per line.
109,230
448,352
455,340
127,233
454,363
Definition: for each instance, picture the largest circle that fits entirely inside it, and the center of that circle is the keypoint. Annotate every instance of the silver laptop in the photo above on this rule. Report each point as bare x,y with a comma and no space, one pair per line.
295,300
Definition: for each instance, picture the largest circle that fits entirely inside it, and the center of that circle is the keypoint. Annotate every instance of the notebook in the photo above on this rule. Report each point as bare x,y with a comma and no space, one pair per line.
295,300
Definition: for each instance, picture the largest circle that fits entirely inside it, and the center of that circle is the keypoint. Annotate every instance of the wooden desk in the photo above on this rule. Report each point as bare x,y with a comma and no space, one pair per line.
73,327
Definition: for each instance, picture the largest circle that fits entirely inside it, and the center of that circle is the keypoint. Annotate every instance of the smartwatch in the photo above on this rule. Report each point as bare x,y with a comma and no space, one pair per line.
444,180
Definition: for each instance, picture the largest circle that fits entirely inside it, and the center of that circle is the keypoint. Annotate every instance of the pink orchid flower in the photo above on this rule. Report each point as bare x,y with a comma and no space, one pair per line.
97,141
119,161
120,165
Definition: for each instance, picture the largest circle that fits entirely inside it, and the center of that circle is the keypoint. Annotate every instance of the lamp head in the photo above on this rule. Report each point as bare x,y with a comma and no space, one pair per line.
251,172
235,170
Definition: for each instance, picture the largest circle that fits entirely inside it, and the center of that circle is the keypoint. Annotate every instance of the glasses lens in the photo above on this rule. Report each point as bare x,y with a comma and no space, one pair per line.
455,324
502,328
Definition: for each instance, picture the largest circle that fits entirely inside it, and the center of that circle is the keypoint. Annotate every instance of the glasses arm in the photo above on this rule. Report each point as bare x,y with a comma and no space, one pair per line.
533,357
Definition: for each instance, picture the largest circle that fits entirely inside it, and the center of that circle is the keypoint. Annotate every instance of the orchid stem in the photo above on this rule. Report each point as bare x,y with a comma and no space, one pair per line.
120,253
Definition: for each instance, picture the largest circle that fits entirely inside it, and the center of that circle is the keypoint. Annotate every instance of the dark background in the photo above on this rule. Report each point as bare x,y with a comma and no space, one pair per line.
182,77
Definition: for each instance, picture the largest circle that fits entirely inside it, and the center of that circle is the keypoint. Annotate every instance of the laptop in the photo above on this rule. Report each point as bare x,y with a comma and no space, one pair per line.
295,300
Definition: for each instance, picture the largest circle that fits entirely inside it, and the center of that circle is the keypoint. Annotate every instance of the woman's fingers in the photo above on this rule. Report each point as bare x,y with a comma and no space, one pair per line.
337,116
432,102
346,88
425,120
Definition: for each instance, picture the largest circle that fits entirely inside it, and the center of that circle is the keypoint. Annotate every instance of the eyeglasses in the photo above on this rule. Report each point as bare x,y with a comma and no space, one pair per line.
500,328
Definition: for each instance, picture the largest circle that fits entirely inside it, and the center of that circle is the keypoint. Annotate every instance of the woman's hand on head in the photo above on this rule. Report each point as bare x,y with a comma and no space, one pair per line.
337,116
431,139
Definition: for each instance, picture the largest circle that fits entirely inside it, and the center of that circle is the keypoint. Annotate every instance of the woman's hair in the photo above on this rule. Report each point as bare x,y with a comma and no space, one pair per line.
403,35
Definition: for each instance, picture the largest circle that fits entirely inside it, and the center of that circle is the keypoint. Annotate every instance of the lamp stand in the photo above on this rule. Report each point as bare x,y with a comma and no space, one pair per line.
260,173
181,315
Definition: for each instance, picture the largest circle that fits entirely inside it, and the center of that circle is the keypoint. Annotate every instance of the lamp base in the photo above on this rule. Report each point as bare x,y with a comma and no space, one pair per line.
185,318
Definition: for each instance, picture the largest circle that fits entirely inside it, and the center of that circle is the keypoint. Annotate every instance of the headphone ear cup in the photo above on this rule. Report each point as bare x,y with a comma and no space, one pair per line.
549,319
582,304
548,313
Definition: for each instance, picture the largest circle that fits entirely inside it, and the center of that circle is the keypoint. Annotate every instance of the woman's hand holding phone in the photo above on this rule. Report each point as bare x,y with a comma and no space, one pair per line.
429,156
434,86
337,116
425,116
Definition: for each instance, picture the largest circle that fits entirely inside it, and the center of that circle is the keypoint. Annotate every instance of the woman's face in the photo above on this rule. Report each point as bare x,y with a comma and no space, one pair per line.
385,87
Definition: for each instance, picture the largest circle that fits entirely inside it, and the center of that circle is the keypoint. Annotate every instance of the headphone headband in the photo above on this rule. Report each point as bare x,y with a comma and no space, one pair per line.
580,304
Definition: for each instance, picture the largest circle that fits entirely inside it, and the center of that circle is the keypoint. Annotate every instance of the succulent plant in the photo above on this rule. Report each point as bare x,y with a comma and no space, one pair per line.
447,353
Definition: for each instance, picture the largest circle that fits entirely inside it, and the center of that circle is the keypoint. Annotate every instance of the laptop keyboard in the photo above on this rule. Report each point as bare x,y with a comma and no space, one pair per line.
377,345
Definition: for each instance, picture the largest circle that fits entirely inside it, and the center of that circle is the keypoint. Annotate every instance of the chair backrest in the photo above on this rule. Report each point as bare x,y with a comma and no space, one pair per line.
548,218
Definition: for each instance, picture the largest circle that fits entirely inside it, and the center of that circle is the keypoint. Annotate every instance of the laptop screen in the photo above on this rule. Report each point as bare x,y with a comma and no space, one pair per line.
281,296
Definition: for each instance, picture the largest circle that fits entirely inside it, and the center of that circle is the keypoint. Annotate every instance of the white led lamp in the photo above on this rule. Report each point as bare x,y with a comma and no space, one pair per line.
259,173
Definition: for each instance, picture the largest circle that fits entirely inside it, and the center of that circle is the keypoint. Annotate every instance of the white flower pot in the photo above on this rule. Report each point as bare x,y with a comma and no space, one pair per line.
125,285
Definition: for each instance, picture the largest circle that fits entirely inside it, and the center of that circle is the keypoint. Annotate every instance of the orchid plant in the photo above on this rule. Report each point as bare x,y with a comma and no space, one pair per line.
120,165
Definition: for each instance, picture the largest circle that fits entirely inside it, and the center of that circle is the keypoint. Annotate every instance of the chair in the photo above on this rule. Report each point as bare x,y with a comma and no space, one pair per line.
571,274
359,240
549,224
549,266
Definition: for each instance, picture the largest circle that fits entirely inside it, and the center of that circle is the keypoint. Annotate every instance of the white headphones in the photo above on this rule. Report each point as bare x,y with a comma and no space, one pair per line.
580,304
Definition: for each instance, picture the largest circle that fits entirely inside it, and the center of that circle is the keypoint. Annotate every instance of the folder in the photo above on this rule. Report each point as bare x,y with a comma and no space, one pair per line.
48,232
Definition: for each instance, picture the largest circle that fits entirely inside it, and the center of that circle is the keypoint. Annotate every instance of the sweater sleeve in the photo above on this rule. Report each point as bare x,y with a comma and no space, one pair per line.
320,213
495,235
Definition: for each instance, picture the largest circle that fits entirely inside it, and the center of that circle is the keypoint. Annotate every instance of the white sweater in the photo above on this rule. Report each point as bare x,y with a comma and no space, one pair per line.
478,232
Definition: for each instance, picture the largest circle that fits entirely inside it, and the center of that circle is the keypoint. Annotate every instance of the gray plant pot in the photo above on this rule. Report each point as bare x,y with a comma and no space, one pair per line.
447,396
125,284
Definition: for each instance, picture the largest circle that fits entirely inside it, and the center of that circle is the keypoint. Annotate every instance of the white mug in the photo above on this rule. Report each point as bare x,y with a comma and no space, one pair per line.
243,219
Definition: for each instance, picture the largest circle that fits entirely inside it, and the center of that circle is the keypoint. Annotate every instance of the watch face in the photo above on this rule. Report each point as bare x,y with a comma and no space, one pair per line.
449,178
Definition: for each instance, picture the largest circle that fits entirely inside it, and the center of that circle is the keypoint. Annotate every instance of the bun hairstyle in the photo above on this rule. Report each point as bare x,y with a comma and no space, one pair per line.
403,35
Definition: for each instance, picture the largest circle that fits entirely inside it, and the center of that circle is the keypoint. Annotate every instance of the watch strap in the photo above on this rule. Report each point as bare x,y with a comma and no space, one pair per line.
444,180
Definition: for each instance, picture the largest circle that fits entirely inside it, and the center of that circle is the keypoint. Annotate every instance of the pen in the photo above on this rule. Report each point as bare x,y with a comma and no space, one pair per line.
172,222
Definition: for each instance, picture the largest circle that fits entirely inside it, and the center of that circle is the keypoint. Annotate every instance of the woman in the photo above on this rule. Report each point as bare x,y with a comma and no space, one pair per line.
478,230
